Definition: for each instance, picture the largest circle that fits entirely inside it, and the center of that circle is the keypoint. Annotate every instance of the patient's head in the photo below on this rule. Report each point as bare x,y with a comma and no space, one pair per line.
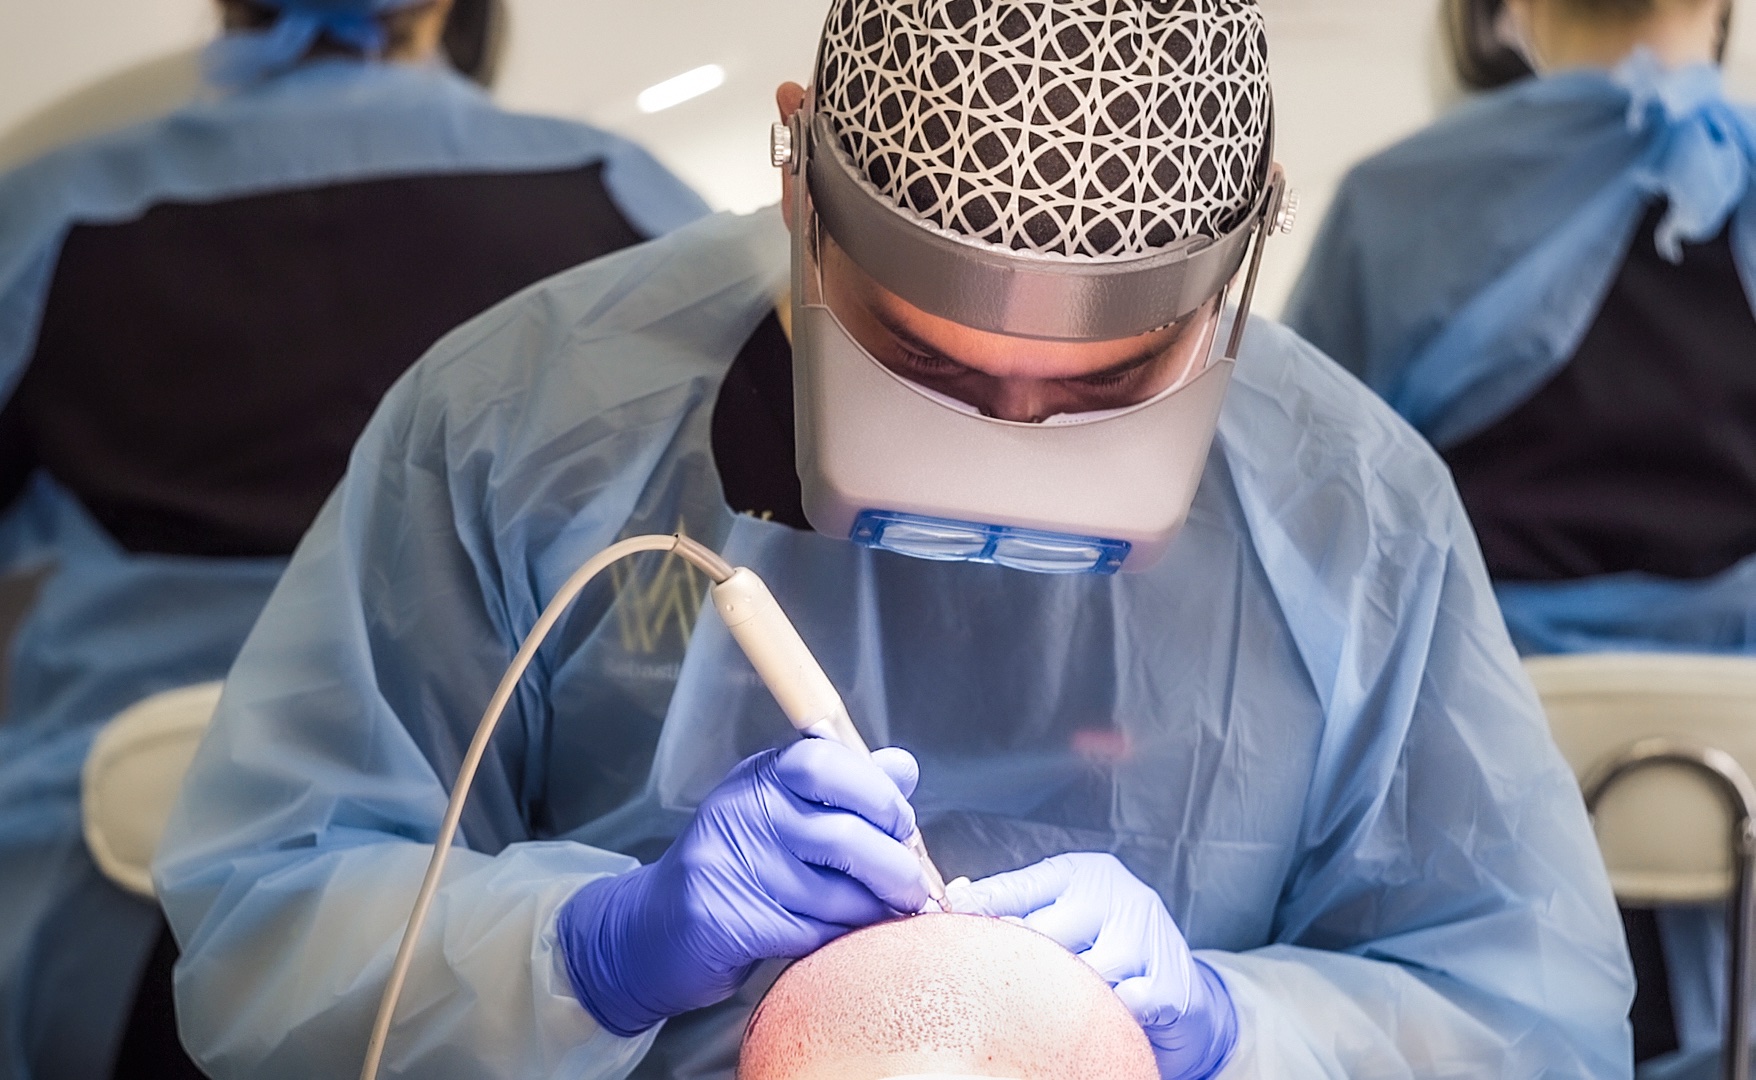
943,994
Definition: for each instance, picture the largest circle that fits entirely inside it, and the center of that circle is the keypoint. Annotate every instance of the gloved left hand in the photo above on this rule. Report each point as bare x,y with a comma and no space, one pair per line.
1115,922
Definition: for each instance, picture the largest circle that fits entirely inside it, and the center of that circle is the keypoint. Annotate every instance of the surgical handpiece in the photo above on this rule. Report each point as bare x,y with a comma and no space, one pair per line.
798,684
760,628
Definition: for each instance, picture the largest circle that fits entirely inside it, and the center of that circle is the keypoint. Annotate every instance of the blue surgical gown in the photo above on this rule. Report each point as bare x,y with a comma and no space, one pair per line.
1459,270
1305,728
110,627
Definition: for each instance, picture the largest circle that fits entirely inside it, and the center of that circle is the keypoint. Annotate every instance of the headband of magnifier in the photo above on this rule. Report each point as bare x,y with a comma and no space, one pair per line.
1019,293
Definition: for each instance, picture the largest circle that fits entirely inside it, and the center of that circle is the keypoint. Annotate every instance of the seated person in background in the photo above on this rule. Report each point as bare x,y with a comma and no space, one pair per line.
1551,285
198,315
943,995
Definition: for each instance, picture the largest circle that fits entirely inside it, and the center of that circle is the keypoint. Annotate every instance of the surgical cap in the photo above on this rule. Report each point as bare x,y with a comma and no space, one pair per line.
248,55
1089,128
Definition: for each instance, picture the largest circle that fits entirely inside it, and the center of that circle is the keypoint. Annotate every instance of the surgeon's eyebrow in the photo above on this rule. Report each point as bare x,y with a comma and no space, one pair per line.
1132,364
1122,367
908,339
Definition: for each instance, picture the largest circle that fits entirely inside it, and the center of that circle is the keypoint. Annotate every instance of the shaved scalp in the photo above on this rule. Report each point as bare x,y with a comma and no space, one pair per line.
943,994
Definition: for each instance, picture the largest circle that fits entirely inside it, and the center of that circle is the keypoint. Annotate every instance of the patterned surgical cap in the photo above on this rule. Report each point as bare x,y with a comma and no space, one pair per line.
1095,128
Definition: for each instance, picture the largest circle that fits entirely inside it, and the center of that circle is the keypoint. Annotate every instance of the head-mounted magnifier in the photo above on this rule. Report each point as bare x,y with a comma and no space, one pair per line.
890,465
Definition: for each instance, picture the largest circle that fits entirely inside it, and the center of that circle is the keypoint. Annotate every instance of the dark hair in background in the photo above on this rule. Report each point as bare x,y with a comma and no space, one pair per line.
474,32
475,37
1481,59
1484,62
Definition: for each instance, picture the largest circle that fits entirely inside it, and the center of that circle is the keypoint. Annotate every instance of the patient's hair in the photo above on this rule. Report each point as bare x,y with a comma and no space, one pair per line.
943,994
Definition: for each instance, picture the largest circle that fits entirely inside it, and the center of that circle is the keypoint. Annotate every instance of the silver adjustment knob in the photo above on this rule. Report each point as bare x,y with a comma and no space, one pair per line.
780,145
1288,218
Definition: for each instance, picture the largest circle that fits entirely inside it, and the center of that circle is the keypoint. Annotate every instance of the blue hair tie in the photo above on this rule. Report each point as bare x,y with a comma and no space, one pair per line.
1702,147
244,57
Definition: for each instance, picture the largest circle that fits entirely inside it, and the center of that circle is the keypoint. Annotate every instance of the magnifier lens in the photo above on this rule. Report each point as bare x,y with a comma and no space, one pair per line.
942,540
1046,556
926,539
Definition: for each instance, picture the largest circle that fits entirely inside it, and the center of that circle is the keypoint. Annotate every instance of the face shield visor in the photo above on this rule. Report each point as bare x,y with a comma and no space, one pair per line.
892,464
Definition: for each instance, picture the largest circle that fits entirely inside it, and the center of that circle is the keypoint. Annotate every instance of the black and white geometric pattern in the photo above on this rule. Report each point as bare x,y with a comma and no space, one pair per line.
1094,128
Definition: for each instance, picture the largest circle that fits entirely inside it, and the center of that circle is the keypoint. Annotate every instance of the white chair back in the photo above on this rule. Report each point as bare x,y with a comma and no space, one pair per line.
1664,830
133,775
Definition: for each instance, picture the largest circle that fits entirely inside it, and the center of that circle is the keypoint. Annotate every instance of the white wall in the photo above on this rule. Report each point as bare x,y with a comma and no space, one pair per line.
1350,76
50,48
575,57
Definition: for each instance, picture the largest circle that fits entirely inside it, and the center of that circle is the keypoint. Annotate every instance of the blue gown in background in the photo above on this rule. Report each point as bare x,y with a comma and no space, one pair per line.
1460,270
111,627
1306,728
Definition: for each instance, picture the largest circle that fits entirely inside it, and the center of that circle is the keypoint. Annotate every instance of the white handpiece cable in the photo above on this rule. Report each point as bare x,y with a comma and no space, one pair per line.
760,628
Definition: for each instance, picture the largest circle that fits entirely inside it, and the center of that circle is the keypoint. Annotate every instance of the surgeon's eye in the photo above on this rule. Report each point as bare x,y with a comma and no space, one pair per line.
930,364
1110,380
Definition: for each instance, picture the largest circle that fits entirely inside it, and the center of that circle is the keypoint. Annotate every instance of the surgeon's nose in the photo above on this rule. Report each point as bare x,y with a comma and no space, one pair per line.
1023,401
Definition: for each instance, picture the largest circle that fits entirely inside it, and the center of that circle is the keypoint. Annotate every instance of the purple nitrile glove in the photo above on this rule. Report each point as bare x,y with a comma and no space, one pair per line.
1115,922
794,849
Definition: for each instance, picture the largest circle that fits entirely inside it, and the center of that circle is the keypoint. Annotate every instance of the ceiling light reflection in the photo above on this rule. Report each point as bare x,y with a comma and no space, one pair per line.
675,91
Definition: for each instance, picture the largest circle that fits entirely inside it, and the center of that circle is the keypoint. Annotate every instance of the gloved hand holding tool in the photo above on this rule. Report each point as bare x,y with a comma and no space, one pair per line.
794,849
1093,906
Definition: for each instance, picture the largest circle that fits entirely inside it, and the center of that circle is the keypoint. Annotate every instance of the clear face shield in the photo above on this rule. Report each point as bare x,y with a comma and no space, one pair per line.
890,461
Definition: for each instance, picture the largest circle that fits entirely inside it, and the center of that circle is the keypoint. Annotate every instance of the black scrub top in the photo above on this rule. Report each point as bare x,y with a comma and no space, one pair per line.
201,373
1640,454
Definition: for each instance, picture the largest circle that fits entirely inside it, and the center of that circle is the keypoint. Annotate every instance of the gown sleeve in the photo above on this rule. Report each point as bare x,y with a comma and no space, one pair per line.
306,821
1448,913
29,250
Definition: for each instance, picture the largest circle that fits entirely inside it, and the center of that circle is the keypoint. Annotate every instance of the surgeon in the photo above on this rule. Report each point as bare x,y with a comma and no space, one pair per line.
1178,643
197,317
1550,285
